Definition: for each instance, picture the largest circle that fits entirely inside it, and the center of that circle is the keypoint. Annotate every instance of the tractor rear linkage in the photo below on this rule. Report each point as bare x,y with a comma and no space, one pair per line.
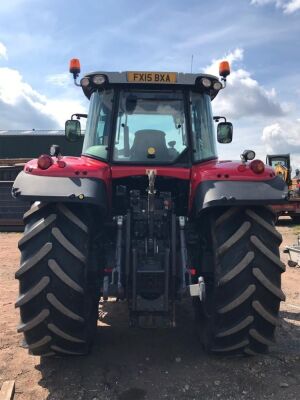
150,284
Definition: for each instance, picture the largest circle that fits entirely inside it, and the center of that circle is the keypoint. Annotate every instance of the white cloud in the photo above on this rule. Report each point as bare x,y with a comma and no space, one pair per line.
282,136
3,51
292,6
62,109
288,6
260,118
12,88
278,3
244,97
22,107
62,79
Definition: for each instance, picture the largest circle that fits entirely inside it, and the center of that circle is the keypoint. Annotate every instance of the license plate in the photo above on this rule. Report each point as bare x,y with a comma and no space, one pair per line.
152,77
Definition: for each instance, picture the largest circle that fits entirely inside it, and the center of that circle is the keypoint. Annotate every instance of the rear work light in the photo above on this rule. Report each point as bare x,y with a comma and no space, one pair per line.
206,82
44,161
257,166
99,80
85,82
217,85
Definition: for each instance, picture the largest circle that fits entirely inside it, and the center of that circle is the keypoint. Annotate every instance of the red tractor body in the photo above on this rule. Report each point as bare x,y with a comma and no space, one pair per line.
209,171
149,215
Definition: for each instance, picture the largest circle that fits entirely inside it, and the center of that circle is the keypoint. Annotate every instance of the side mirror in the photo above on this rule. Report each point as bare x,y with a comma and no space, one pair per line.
72,130
224,132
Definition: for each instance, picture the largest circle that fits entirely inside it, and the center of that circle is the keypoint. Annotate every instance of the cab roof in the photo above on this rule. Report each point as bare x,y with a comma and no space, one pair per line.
146,79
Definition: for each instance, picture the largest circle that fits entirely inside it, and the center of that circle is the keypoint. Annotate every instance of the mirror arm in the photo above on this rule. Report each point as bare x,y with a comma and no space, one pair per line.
78,116
217,118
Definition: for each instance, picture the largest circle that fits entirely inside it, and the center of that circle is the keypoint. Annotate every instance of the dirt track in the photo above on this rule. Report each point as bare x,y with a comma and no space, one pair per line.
133,364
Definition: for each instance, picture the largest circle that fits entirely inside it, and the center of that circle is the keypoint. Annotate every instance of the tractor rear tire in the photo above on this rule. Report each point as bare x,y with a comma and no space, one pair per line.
240,313
58,298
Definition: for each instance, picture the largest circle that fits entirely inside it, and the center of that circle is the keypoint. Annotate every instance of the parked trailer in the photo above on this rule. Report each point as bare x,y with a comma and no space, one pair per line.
16,148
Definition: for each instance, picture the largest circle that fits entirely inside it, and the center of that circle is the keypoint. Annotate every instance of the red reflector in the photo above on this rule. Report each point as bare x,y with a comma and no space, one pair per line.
192,271
242,168
44,161
61,164
257,166
108,270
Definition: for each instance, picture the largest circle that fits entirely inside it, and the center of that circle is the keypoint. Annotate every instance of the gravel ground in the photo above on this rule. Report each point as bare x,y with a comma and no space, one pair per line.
137,364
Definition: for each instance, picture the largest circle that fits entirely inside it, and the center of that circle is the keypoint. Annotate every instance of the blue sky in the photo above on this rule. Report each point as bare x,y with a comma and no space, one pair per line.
261,38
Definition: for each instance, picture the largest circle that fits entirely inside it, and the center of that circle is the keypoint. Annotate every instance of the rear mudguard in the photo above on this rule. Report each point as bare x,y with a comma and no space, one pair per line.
60,189
221,193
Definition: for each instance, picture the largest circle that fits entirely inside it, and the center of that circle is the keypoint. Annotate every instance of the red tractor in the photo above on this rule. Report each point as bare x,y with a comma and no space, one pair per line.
149,215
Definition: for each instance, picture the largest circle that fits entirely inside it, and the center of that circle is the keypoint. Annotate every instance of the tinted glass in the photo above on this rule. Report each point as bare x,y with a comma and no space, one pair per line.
151,127
279,161
204,142
98,124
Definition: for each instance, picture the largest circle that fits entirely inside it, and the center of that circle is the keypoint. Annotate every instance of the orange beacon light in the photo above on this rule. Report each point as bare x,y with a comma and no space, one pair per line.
75,67
224,69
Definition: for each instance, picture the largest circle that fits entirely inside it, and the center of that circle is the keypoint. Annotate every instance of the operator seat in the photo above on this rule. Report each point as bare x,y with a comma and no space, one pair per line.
145,138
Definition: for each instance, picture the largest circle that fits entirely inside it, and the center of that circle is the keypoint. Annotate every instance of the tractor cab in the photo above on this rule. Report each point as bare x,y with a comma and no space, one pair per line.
150,118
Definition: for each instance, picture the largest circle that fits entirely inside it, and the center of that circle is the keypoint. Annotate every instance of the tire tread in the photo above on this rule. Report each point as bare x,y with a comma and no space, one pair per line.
56,302
245,294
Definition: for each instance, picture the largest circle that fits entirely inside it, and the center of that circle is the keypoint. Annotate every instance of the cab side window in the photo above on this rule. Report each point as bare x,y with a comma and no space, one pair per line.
204,142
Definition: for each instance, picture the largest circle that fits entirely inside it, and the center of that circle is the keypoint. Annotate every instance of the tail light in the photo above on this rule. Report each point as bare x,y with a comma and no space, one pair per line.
257,166
44,161
192,271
